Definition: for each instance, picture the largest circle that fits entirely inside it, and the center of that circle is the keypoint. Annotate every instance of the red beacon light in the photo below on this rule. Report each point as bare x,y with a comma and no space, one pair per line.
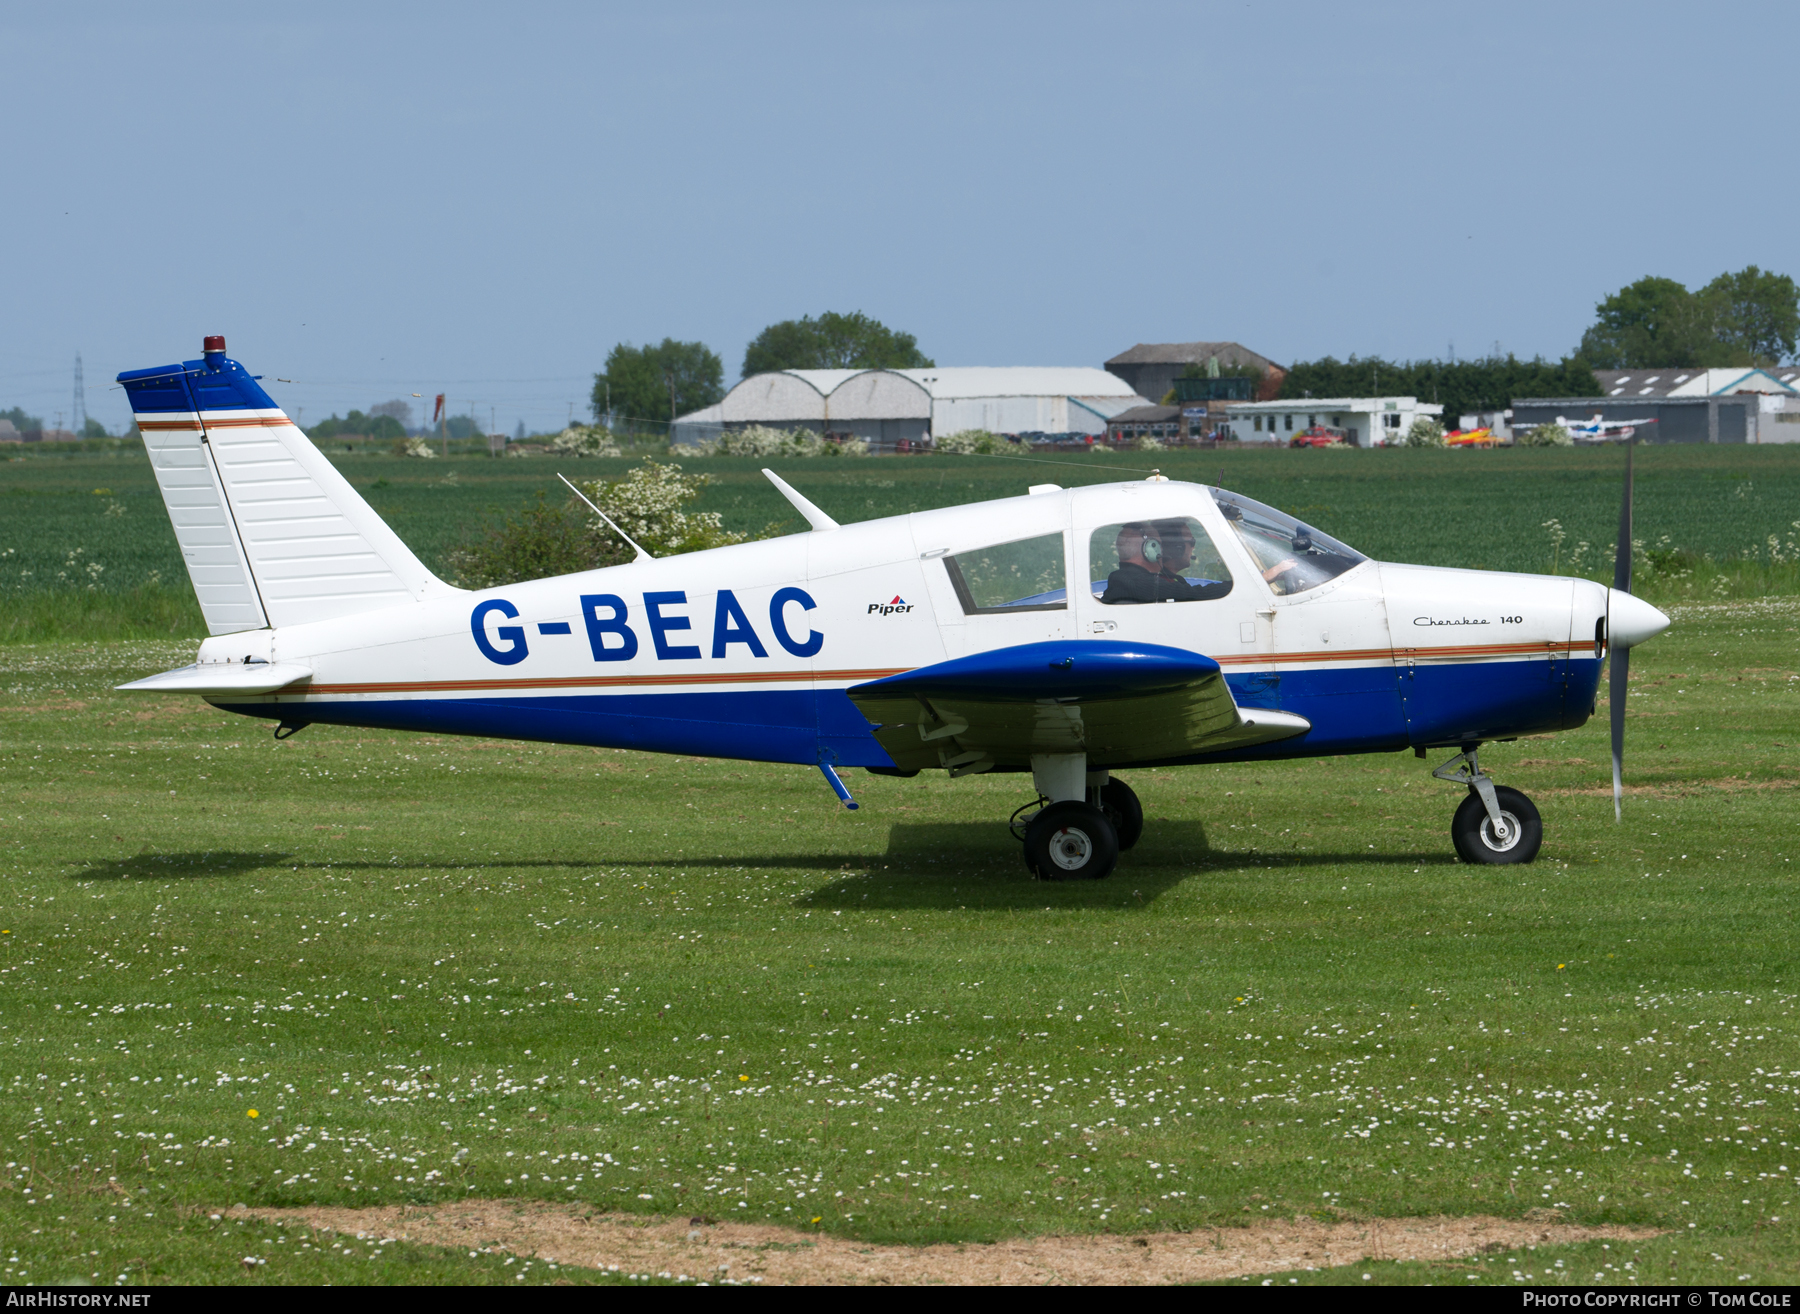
213,348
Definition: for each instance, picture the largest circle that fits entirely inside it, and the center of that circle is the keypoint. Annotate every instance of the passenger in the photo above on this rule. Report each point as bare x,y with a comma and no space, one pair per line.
1140,576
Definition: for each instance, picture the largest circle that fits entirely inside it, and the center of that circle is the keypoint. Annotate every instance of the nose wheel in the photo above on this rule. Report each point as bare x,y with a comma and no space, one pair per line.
1494,825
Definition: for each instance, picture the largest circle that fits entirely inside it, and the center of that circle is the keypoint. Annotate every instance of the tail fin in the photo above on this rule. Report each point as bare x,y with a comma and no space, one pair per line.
272,534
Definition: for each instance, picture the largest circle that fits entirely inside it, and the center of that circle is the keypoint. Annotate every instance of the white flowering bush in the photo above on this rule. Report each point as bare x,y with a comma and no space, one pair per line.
762,441
648,505
584,440
547,539
420,448
971,442
1425,432
1546,435
1146,442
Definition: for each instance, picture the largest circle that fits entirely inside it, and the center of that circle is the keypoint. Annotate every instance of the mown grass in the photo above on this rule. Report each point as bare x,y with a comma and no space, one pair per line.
447,968
1704,514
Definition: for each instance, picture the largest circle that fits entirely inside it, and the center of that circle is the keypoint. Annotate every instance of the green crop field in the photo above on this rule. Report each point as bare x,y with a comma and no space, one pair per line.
443,969
360,968
86,550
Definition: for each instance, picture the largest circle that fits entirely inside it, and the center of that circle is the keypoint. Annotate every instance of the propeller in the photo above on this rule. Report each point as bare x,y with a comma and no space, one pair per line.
1621,656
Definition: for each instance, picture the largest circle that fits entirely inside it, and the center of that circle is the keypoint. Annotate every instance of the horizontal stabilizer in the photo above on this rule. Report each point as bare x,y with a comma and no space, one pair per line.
224,678
1116,702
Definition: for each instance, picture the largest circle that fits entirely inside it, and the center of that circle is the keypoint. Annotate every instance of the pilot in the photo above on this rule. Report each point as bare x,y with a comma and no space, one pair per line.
1177,539
1142,577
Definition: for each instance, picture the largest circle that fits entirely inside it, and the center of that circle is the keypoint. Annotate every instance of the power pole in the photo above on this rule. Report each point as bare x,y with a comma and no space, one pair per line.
78,412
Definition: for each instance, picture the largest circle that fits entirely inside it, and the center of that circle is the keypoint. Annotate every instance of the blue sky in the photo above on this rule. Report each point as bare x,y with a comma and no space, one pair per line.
374,200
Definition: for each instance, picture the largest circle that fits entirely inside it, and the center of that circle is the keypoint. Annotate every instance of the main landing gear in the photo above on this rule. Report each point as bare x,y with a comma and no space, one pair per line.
1088,820
1494,825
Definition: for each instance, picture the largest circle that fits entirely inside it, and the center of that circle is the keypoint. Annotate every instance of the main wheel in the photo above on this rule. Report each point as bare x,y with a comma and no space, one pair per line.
1120,804
1472,831
1070,842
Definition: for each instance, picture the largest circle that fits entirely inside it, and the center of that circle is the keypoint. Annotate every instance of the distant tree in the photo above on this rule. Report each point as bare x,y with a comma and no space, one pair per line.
463,426
638,380
1462,387
94,429
1751,317
833,342
384,428
22,421
1650,324
1755,315
399,409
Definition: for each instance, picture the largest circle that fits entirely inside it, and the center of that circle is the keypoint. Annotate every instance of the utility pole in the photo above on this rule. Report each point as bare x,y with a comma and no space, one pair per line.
78,412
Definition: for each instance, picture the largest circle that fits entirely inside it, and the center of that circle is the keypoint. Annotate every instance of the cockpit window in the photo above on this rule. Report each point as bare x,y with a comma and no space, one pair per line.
1168,560
1294,557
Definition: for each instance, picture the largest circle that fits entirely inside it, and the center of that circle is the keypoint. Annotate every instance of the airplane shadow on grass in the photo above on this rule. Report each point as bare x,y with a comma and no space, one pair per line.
975,864
179,866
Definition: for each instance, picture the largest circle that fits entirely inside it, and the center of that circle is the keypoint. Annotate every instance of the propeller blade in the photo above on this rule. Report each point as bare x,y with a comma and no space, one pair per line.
1621,666
1621,657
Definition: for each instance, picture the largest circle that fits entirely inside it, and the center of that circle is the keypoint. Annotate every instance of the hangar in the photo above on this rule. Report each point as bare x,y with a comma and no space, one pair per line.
888,407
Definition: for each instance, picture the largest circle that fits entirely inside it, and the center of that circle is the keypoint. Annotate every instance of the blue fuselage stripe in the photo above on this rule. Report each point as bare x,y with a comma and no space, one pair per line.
1370,709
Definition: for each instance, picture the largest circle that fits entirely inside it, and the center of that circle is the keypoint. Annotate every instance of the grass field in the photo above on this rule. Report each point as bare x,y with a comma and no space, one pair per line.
359,968
86,551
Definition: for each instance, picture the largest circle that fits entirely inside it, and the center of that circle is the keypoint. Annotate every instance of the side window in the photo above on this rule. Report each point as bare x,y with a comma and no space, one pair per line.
1169,560
1024,576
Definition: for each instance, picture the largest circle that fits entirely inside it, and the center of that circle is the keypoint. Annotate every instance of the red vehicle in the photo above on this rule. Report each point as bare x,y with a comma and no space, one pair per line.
1320,435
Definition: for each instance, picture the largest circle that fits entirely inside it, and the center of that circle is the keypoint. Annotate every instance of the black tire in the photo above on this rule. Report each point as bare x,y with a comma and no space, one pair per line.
1473,834
1120,804
1070,842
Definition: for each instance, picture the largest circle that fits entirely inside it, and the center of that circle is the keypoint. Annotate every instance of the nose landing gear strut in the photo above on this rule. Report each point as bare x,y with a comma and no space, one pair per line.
1494,824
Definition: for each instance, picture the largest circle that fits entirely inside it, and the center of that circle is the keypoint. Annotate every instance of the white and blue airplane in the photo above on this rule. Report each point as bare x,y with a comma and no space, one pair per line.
1069,633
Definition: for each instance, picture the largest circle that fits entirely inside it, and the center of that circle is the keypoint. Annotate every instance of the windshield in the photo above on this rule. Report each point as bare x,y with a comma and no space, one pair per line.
1294,557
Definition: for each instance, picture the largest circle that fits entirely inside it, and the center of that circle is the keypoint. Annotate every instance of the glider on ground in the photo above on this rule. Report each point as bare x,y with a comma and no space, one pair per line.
1069,633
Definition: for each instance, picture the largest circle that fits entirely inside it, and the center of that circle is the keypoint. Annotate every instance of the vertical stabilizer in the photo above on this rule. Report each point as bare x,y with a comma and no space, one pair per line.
272,534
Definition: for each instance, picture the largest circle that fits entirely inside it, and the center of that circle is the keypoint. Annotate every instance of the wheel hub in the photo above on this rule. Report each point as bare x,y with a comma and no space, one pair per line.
1070,849
1503,836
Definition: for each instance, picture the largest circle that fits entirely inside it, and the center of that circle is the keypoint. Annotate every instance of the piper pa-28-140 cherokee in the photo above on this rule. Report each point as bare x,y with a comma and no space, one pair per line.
1201,627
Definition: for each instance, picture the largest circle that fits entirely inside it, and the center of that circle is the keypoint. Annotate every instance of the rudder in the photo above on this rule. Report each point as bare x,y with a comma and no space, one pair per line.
271,532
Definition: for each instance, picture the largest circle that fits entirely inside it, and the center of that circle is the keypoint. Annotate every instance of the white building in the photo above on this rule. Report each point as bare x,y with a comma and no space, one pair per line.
1369,421
886,406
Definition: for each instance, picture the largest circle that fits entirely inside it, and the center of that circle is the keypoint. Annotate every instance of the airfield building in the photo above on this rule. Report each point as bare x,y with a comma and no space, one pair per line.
889,408
1736,405
1366,421
1151,368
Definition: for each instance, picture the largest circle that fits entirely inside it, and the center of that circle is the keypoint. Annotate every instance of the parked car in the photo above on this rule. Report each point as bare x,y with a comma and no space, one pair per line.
1320,435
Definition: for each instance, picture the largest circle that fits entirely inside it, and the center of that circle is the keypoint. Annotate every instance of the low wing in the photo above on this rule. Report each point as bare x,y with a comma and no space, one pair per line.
224,678
1117,702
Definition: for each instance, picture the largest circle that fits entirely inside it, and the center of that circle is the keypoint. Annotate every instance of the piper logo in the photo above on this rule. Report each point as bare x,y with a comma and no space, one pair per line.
889,608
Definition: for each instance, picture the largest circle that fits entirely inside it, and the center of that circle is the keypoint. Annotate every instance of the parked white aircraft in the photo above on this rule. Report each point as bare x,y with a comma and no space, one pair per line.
1068,633
1601,430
